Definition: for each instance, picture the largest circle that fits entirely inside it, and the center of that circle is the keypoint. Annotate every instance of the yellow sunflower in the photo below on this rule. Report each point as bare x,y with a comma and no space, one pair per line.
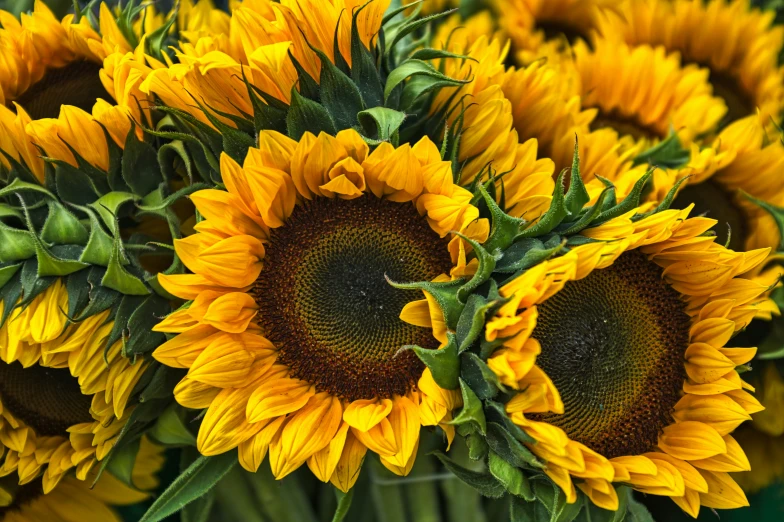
540,27
643,92
617,350
265,39
739,45
488,141
292,337
63,393
763,438
74,500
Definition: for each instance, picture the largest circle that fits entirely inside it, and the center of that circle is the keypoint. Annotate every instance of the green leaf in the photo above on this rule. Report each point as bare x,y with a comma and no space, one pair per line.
479,376
477,446
667,154
62,227
484,483
380,123
554,501
503,443
123,462
307,116
200,510
577,196
170,428
511,477
443,363
197,480
554,215
415,68
495,412
472,409
344,504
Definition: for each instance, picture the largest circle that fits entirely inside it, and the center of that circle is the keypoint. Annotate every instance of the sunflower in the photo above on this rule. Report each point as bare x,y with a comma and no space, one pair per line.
763,438
643,92
74,500
291,337
265,41
540,27
739,45
719,177
617,350
63,394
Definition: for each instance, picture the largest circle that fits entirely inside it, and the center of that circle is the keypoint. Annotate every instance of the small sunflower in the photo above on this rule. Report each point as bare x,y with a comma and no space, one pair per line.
74,500
739,45
617,350
292,339
643,92
719,177
63,394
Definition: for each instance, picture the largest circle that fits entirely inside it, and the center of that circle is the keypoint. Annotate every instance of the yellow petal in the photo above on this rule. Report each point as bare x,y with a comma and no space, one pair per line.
365,414
691,441
705,363
347,470
723,492
324,462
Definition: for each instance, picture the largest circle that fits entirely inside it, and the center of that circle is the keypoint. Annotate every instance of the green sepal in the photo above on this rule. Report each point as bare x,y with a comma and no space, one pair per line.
508,447
141,338
554,215
109,205
155,201
168,156
667,154
511,477
668,199
32,283
339,95
443,363
629,203
445,295
577,196
415,68
777,213
472,320
18,185
588,217
483,272
7,272
484,483
140,168
101,298
380,123
15,245
171,429
10,293
482,380
524,254
364,71
477,446
503,227
495,413
99,246
235,142
62,227
550,496
269,113
156,39
199,478
50,264
308,87
117,277
472,409
78,288
410,26
125,308
307,116
7,211
75,186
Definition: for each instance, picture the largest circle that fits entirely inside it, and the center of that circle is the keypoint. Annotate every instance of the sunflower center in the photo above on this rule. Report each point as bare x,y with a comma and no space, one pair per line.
325,303
77,84
713,200
556,29
20,495
46,399
739,102
613,344
624,125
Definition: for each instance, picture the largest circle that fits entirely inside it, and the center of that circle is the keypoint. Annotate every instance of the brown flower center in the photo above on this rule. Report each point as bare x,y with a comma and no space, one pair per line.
624,125
613,344
77,84
46,399
324,301
717,203
740,103
21,494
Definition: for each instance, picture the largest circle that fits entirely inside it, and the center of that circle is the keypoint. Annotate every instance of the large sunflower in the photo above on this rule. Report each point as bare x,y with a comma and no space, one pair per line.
74,500
739,45
292,338
63,393
617,350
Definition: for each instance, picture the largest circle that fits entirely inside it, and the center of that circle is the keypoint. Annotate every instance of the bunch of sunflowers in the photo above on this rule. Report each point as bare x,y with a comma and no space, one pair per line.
373,260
